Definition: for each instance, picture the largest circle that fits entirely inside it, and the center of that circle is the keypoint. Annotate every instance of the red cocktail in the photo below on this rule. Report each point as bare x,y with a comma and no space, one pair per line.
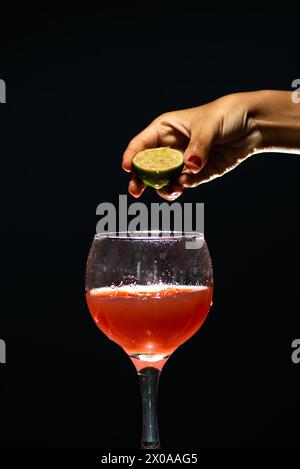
150,322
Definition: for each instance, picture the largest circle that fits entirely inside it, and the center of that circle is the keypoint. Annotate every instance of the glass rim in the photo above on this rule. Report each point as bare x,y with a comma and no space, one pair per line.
149,234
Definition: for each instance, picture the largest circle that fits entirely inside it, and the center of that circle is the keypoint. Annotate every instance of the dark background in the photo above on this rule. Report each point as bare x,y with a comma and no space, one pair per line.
79,86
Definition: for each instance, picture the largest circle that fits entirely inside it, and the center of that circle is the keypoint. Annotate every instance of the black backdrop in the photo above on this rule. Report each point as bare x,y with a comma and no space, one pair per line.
78,87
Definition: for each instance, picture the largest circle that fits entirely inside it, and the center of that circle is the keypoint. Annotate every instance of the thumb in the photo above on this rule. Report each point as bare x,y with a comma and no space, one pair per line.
197,152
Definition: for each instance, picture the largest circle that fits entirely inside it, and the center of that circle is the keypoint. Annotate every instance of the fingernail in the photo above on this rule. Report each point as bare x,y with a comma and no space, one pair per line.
194,159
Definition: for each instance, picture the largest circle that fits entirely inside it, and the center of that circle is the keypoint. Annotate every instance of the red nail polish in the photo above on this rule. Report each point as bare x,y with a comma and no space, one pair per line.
195,160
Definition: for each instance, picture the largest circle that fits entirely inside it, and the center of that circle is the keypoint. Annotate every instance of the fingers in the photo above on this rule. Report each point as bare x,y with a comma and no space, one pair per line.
136,187
170,192
185,181
175,189
197,152
189,180
148,138
196,157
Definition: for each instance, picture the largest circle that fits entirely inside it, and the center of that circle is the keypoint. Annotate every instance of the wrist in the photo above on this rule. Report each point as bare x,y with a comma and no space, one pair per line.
277,117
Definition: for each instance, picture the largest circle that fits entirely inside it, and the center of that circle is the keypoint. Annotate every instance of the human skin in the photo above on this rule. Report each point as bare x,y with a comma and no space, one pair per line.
218,136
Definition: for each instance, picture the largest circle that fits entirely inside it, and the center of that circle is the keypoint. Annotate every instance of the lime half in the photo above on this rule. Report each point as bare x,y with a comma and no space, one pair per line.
156,167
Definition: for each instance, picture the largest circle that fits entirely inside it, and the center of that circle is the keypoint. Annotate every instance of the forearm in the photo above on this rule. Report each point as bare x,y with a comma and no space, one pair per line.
278,119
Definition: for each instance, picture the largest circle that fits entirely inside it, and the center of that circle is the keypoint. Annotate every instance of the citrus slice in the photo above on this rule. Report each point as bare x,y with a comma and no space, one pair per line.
156,167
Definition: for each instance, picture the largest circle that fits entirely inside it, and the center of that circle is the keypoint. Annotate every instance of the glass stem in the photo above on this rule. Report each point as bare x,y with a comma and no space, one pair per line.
149,378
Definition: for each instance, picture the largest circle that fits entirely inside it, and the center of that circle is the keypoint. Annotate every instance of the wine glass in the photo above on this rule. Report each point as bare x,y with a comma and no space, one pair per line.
149,292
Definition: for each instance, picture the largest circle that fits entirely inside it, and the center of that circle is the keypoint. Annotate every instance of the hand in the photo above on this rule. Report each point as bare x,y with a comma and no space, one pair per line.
215,138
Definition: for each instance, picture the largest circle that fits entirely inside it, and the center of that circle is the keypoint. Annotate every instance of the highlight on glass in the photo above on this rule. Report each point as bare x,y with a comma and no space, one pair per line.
148,293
